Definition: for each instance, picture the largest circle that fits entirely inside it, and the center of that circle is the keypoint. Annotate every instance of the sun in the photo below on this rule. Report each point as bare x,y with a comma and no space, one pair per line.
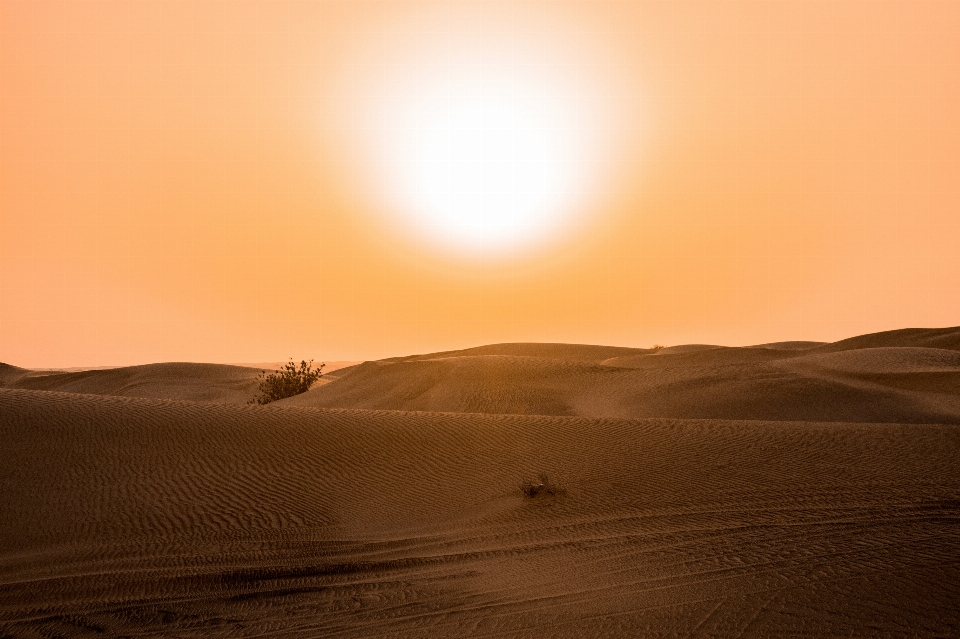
483,164
478,142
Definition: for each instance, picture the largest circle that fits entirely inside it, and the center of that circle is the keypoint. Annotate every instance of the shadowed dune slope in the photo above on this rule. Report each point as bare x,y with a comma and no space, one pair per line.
944,338
884,360
10,374
123,517
194,382
906,384
791,346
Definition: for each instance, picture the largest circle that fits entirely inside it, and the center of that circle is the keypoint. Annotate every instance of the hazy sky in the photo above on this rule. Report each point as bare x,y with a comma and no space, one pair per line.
250,181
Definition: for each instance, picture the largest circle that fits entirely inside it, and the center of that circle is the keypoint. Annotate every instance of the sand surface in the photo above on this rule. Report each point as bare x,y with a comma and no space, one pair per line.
887,377
125,515
220,383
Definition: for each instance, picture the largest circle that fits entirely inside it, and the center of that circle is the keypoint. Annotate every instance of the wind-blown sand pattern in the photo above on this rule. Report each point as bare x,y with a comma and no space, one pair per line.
124,515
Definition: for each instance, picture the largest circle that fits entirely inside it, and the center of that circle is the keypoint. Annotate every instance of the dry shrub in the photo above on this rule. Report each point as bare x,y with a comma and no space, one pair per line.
288,381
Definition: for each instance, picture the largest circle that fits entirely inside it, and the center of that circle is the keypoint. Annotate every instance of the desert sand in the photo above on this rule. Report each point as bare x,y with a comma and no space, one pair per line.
790,489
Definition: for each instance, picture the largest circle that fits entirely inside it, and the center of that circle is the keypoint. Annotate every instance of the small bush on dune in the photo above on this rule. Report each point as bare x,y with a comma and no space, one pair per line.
288,381
540,488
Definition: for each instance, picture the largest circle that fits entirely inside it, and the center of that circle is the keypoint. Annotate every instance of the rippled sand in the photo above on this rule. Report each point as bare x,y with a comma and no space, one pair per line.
132,516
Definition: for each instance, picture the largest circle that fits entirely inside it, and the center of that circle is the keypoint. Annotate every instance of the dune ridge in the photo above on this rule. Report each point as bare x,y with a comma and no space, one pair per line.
882,377
906,376
174,380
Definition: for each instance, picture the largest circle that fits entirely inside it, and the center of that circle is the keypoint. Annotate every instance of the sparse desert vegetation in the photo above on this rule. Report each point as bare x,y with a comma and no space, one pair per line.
288,381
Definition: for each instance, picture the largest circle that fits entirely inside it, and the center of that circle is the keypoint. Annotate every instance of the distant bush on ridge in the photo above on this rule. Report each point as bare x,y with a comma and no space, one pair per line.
288,381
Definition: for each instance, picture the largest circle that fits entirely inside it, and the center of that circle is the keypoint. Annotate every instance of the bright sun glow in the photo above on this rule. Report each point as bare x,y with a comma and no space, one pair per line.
484,164
481,142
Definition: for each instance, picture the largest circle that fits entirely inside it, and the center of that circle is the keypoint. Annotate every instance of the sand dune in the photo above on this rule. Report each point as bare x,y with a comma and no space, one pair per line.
946,338
782,489
907,376
231,384
10,374
196,382
791,346
125,516
859,383
881,360
585,353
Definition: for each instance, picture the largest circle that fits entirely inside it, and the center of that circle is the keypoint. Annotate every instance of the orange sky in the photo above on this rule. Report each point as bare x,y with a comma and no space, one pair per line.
178,180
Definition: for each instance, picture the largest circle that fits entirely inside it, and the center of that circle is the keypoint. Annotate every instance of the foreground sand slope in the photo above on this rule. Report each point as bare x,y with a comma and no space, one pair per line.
124,516
909,376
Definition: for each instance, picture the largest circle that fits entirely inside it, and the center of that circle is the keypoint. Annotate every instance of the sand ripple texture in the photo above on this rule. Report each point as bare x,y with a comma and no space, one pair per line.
141,517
